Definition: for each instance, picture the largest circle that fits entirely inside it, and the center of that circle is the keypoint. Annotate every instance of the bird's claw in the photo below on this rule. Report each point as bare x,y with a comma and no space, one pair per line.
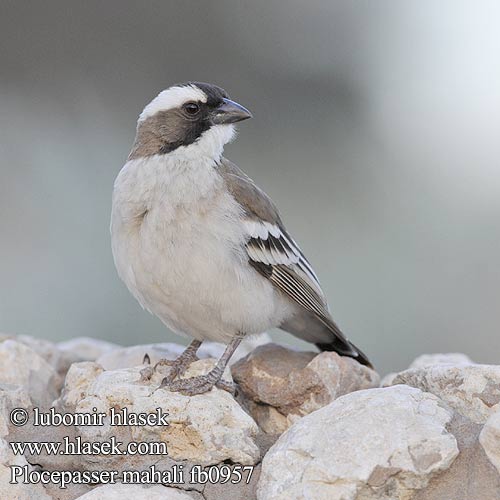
177,367
148,371
146,374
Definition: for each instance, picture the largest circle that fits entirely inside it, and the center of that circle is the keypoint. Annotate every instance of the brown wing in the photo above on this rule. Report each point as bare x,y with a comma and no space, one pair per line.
277,257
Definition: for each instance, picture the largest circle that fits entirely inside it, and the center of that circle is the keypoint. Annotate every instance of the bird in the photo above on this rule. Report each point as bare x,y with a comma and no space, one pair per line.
201,246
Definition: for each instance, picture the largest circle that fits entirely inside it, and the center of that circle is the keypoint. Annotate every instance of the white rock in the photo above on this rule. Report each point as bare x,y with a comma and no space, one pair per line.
11,396
87,348
471,390
387,379
21,365
490,439
371,444
453,358
136,492
18,491
206,429
127,357
77,382
49,351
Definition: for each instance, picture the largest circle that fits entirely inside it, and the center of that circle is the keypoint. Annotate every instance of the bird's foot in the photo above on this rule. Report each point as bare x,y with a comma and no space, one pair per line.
198,385
177,366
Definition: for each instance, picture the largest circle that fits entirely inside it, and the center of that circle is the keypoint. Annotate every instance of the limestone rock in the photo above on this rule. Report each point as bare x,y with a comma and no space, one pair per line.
127,357
490,439
388,379
135,491
11,396
269,419
471,476
50,352
206,429
76,384
371,444
20,365
296,383
86,348
452,358
240,490
471,390
58,359
18,491
429,360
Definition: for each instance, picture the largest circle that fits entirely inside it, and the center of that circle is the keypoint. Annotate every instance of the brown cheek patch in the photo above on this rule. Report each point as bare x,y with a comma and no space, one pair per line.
164,132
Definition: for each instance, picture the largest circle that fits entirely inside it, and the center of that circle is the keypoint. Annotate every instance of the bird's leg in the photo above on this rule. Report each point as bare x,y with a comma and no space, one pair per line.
179,365
204,383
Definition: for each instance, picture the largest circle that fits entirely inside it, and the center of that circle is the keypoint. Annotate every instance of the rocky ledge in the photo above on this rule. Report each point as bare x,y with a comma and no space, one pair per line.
302,425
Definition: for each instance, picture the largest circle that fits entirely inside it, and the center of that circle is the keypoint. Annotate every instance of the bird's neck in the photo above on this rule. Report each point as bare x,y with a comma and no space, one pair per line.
165,181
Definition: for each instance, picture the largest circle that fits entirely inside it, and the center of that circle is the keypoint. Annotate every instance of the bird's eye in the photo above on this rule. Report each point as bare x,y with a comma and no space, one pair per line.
192,108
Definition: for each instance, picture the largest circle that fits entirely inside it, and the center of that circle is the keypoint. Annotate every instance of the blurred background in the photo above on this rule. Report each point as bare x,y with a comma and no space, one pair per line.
376,131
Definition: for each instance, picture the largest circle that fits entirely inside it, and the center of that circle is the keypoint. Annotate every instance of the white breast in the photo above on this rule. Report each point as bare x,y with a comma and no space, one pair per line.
178,244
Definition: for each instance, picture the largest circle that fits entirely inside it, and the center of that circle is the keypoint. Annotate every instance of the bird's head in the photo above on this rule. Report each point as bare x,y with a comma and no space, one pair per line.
191,119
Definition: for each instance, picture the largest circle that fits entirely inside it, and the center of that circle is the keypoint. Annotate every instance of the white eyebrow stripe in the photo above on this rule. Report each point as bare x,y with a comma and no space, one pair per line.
174,97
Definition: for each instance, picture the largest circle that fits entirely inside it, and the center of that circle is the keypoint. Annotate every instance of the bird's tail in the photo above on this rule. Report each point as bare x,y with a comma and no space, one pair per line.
339,346
324,333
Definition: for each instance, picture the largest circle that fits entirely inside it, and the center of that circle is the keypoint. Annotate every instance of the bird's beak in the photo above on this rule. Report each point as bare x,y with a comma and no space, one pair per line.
230,112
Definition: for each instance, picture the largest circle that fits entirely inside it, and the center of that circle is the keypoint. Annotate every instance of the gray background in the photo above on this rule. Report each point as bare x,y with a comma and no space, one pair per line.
376,131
